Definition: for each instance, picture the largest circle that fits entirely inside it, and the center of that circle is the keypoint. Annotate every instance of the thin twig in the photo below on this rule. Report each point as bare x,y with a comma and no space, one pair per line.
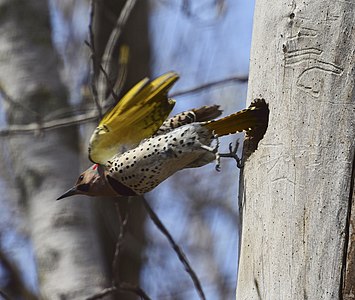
116,33
93,57
87,117
122,69
116,284
123,226
209,85
110,84
177,249
35,127
13,102
125,287
103,293
134,289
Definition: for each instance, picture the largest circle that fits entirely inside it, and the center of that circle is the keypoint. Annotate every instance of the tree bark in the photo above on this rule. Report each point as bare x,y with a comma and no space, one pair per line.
43,165
296,188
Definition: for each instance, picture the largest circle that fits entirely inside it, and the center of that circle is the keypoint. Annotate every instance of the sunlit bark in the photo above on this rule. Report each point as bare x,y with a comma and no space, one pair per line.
296,187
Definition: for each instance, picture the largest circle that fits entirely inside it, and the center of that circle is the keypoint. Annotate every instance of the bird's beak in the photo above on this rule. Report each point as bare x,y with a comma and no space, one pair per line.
68,193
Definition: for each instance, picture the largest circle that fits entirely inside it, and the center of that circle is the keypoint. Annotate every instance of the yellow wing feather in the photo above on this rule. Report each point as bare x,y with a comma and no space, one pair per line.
138,115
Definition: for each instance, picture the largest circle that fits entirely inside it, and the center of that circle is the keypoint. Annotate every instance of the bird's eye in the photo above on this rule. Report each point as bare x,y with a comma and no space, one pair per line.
81,177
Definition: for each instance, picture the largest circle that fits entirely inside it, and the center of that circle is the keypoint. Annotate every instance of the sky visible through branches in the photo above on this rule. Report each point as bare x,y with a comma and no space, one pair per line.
204,41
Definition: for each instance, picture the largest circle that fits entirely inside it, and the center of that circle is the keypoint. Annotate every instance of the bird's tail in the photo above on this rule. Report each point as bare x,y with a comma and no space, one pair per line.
245,120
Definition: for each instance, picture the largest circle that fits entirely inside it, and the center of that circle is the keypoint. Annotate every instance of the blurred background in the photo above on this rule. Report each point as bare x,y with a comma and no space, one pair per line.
65,249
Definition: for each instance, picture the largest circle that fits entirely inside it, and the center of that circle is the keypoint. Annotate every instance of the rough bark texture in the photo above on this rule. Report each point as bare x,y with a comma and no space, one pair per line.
296,188
43,165
349,263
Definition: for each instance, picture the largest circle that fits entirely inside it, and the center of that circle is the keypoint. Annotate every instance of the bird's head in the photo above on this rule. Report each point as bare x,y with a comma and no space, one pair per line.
91,182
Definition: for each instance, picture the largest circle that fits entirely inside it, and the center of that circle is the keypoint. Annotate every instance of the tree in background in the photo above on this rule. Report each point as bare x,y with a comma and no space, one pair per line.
74,241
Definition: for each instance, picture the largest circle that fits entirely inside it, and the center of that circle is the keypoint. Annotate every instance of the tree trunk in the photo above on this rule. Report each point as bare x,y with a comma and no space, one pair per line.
43,165
296,188
135,36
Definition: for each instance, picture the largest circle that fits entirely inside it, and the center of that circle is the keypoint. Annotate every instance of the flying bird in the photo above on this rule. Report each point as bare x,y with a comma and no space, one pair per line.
136,146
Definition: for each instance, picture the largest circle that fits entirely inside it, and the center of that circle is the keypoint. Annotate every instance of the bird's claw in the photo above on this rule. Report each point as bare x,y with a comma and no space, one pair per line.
233,154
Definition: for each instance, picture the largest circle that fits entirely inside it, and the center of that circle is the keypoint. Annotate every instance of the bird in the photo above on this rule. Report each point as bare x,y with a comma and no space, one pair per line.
136,116
187,140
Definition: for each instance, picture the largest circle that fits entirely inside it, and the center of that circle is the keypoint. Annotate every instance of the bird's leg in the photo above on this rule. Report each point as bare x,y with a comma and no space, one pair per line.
218,157
233,154
214,150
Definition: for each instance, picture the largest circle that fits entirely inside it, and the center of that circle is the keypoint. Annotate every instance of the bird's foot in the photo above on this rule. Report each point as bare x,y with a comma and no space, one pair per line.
214,150
233,154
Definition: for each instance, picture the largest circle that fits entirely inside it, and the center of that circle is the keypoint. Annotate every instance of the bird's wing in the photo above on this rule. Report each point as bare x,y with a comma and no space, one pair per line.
136,116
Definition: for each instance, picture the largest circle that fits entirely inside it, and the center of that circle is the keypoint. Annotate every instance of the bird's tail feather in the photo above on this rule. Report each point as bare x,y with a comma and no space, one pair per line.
245,120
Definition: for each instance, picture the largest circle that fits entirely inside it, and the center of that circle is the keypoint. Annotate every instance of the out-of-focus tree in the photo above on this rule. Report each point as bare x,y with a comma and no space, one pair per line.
42,164
74,239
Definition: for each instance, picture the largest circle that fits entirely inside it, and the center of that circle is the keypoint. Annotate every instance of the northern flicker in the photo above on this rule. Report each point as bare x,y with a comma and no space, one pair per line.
183,141
138,115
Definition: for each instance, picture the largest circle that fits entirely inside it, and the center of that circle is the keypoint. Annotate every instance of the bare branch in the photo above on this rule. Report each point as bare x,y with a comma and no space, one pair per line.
36,127
177,249
119,243
125,287
93,57
87,117
116,33
118,286
13,102
122,69
103,293
134,289
109,83
209,85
